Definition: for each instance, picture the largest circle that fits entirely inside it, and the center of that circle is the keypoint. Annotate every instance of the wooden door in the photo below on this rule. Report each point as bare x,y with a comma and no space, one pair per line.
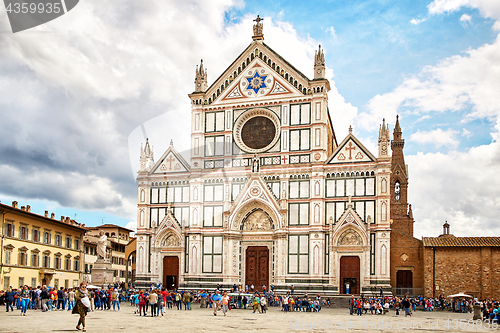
171,272
257,267
404,279
349,275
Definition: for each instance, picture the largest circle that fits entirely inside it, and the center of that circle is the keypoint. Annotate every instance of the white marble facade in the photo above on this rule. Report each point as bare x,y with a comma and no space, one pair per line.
267,173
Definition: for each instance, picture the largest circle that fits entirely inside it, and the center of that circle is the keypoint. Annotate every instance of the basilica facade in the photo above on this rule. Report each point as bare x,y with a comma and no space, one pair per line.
269,196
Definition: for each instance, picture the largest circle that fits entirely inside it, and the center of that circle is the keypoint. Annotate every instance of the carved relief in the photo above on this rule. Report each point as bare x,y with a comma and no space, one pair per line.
171,241
257,221
350,237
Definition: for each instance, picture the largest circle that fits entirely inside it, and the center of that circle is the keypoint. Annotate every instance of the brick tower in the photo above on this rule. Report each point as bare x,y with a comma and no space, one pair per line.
401,214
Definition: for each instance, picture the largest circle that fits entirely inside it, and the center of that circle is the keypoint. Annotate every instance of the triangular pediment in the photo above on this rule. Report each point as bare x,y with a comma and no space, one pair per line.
244,78
170,162
169,221
351,150
350,220
255,194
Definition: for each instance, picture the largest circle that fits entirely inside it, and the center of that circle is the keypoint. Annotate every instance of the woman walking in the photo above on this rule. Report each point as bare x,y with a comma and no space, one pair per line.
25,299
81,296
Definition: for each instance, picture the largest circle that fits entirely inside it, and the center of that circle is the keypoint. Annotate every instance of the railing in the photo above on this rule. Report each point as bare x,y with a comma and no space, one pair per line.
407,291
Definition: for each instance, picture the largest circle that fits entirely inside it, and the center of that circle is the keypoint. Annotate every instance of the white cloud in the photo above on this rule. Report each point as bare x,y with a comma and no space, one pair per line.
437,137
331,31
456,187
466,133
132,225
465,20
456,83
487,8
418,21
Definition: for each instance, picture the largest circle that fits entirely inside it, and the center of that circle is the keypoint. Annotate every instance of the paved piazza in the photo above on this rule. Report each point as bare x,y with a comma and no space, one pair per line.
328,320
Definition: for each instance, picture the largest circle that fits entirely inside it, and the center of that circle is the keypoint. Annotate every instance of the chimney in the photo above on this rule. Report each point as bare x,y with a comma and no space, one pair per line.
23,208
14,204
67,219
28,208
52,216
46,213
62,218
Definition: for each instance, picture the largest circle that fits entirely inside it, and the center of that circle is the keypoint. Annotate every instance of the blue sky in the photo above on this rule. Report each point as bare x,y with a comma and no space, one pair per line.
78,93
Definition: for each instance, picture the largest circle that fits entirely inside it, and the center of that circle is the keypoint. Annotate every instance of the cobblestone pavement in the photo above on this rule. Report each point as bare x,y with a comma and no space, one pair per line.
196,320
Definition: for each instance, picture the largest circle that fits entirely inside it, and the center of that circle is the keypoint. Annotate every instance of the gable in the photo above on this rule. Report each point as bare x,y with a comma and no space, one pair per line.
170,162
281,77
351,151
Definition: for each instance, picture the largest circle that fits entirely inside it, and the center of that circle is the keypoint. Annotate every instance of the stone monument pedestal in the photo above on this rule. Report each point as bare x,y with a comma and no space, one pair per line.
102,273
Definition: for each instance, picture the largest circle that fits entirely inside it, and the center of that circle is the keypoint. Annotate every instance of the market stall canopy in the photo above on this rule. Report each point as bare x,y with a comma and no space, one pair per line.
459,295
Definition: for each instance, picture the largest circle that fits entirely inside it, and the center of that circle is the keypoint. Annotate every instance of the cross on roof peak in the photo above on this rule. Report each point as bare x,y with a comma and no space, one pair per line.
258,19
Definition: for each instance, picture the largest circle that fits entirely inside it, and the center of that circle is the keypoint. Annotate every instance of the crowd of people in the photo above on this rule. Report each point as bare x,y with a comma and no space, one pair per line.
156,300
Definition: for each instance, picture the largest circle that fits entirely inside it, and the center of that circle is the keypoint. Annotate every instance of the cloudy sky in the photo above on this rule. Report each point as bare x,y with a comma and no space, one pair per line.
79,94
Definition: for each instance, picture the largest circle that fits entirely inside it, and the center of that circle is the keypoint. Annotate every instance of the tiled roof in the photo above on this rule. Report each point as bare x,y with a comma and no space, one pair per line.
461,241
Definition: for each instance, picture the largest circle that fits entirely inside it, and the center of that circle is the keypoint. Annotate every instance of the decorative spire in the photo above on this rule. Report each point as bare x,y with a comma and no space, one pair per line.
200,81
383,140
171,143
350,129
147,159
397,131
258,27
319,64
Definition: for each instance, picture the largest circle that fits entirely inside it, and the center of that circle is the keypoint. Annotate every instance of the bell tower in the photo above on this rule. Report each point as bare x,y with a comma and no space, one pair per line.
399,185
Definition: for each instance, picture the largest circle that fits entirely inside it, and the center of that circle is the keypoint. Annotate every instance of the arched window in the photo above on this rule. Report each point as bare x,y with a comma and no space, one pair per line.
384,185
397,191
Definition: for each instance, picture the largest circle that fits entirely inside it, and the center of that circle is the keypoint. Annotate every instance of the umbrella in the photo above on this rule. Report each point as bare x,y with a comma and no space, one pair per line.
460,295
90,286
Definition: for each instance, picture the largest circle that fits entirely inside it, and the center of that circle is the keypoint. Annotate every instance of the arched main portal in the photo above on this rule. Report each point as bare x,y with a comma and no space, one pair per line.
171,272
257,267
349,275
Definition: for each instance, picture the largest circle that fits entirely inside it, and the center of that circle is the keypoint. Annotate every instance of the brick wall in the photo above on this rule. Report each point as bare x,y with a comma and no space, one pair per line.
472,270
411,249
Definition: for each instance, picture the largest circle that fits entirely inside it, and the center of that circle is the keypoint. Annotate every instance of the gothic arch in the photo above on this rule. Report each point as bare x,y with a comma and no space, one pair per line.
257,220
238,216
164,234
350,237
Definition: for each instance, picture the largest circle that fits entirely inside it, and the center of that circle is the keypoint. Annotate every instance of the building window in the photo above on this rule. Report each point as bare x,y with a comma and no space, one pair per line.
68,242
87,271
46,261
58,240
8,255
23,258
235,189
9,229
77,244
298,254
365,210
36,235
213,193
397,191
186,254
33,282
300,139
212,254
214,145
214,122
212,216
299,189
76,266
6,282
275,188
21,282
35,260
298,213
47,237
57,262
356,187
300,114
23,232
67,263
182,215
327,253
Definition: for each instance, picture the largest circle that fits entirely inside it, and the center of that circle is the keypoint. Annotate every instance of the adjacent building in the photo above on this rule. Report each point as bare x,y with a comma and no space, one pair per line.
118,238
462,264
39,250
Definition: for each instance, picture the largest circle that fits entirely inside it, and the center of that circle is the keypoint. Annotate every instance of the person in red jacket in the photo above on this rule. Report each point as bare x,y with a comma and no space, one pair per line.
142,303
